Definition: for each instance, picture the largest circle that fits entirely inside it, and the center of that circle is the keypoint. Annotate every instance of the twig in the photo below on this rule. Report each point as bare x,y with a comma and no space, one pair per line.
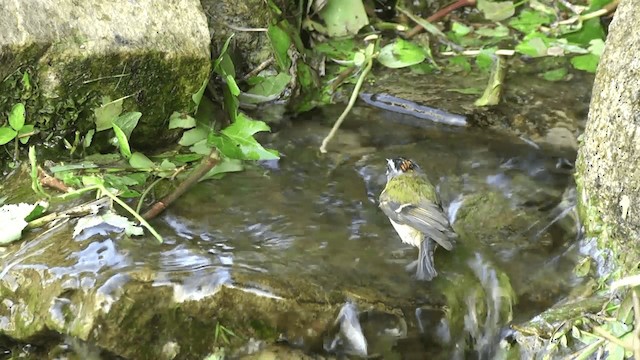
90,207
263,65
212,160
608,336
342,77
245,29
636,328
352,101
440,14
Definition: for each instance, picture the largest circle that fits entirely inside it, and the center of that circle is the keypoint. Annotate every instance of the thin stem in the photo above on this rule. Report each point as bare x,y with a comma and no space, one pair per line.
145,192
135,214
352,101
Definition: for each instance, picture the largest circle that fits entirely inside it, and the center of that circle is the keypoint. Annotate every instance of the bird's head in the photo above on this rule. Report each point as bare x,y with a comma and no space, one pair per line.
398,166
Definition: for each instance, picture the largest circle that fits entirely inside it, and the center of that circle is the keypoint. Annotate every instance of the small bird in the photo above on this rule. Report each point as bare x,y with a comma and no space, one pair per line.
415,211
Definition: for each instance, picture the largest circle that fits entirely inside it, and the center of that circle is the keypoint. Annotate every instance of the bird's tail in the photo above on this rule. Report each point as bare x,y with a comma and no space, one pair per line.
426,270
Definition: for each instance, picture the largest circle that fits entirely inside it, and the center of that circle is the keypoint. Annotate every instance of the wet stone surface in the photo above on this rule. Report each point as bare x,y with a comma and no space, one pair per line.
274,252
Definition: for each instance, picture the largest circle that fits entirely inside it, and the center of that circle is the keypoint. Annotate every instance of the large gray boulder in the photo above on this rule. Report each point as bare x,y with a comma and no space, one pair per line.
608,175
76,53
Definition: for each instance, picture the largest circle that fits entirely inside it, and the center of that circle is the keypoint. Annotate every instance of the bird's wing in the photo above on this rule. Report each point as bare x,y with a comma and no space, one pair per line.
426,217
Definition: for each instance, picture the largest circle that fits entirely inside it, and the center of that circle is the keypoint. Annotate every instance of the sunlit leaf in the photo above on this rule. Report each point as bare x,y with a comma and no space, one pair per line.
280,43
127,122
217,64
182,121
401,53
534,46
272,85
123,143
460,29
25,130
107,113
344,17
530,20
16,116
237,142
192,136
88,138
587,62
201,148
496,11
141,161
226,166
198,95
7,134
497,32
555,75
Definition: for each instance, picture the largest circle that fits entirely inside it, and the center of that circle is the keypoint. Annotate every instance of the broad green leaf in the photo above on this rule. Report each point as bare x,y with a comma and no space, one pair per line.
497,32
88,138
107,113
236,141
460,62
182,121
220,68
555,75
226,166
201,148
460,29
280,43
484,60
127,122
167,165
198,95
587,62
337,48
529,21
591,29
25,130
123,143
192,136
231,103
535,46
141,161
344,17
271,86
92,180
7,134
26,82
596,47
401,53
16,116
496,11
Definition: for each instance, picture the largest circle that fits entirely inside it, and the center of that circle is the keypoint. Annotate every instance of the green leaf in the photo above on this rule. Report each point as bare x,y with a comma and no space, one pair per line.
587,62
226,166
535,46
496,11
141,161
530,20
460,63
233,87
26,130
88,138
26,82
344,17
7,134
280,43
201,148
218,67
236,141
182,121
127,122
16,116
497,32
192,136
401,53
231,103
555,75
107,113
123,143
272,85
460,29
591,30
197,97
484,60
337,48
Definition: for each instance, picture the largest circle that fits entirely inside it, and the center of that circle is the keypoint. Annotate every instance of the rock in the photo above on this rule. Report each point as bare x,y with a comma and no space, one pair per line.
154,57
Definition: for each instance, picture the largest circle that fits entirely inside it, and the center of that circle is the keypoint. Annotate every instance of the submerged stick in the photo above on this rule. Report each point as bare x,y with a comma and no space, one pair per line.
212,160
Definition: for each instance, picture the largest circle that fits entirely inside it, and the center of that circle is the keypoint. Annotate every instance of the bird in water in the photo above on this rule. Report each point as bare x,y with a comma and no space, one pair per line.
413,206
